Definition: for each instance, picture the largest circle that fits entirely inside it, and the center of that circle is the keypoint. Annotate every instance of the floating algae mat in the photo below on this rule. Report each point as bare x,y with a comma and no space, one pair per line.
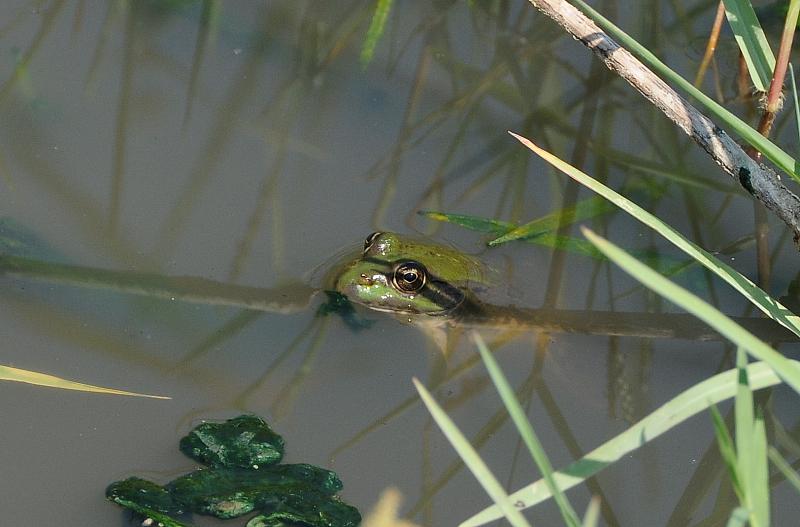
242,476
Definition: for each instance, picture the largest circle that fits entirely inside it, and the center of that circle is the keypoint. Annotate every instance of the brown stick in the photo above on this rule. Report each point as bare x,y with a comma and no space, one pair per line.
760,181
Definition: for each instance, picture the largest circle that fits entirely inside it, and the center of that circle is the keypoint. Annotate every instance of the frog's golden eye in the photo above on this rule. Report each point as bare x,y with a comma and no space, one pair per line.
371,238
409,277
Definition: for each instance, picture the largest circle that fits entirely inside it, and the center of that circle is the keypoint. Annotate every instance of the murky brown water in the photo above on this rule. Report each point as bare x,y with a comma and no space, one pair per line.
245,143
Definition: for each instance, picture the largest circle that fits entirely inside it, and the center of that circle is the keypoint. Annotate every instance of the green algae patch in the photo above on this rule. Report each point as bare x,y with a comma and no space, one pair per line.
242,476
246,441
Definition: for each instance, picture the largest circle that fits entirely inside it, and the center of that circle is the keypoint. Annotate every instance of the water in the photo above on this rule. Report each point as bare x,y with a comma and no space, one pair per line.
248,146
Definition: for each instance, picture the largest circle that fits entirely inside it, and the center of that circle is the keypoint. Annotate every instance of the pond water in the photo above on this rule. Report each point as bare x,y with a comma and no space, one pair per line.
246,143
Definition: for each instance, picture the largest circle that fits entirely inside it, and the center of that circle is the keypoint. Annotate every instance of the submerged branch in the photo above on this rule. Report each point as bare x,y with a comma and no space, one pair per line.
759,180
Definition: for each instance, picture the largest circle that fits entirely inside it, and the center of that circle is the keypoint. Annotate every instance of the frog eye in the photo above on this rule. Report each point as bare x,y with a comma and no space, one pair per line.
409,277
371,238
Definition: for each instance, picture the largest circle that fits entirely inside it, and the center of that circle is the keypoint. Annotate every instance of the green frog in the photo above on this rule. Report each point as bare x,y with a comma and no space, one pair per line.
409,277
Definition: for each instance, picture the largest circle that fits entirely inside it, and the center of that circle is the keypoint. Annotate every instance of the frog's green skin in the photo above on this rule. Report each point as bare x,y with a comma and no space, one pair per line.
407,276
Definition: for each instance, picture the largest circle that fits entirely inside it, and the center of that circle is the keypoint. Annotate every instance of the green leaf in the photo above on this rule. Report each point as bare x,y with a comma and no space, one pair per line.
752,42
743,426
727,451
7,373
583,210
474,223
526,431
471,459
748,289
592,516
375,31
688,403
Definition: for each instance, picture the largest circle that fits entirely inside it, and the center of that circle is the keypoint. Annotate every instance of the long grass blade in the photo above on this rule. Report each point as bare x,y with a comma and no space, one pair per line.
526,431
748,289
752,42
471,459
738,518
688,403
7,373
727,451
784,467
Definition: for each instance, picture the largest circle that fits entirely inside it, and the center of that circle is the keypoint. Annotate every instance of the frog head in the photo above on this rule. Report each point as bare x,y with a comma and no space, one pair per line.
403,275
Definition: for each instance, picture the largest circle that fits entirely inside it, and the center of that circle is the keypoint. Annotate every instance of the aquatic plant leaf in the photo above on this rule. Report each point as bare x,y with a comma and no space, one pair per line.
232,492
305,509
147,499
727,451
583,210
246,441
339,304
752,42
242,478
688,403
499,228
474,223
741,283
375,31
18,240
8,373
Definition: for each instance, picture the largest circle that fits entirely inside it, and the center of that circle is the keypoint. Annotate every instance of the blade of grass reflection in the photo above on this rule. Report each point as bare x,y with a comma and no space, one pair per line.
294,345
48,17
228,330
203,168
288,394
129,43
409,113
208,26
400,409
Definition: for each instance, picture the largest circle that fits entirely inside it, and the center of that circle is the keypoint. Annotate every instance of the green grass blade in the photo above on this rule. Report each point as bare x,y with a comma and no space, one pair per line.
752,42
583,210
784,467
785,368
738,518
498,228
758,480
796,105
471,459
375,31
592,516
752,292
770,150
727,451
743,428
688,403
526,431
7,373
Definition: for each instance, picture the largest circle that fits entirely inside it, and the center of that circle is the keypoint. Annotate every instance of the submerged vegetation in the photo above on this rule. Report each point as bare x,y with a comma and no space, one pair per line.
242,476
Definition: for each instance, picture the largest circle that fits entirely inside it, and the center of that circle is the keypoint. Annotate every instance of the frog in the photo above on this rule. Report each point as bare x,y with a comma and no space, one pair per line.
410,277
